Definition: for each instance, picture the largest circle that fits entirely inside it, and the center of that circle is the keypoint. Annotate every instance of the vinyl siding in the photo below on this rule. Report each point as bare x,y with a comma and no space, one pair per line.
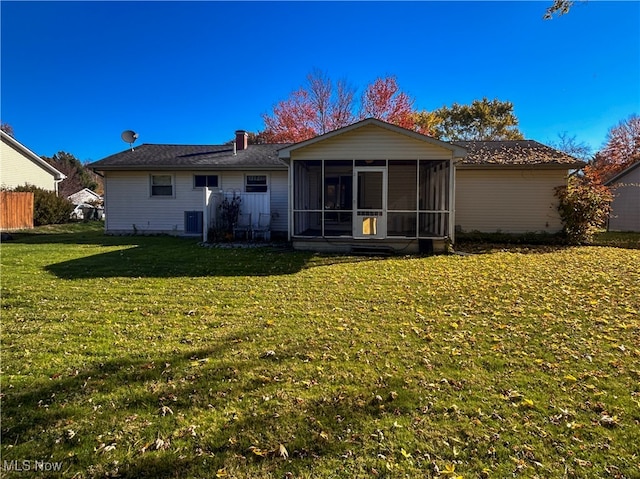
128,199
510,201
279,201
625,209
370,143
16,170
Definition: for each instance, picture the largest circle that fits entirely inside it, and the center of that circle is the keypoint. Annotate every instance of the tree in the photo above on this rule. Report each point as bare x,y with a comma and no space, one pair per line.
7,128
482,120
309,111
559,8
77,176
384,100
571,146
621,148
322,106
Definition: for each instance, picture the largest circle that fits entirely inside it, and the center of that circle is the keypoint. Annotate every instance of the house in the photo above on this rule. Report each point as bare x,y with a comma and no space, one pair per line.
370,185
19,166
509,186
625,208
157,188
85,195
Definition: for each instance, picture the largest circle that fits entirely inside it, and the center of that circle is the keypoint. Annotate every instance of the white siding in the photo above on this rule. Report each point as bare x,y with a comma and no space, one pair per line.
128,200
370,143
279,201
625,209
508,200
16,169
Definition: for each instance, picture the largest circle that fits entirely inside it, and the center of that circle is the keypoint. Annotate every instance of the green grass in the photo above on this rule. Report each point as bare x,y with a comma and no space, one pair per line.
154,357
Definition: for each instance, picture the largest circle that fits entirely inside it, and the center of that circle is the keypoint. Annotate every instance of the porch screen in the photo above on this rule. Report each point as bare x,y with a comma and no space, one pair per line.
402,214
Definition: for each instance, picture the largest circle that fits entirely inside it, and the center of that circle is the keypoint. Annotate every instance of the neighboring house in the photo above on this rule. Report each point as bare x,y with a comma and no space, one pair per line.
368,185
625,208
509,186
85,195
20,166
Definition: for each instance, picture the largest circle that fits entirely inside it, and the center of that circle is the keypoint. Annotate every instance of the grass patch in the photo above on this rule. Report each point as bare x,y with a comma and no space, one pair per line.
154,357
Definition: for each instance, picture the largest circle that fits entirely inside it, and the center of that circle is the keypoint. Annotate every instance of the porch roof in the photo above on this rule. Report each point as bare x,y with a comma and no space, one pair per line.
193,157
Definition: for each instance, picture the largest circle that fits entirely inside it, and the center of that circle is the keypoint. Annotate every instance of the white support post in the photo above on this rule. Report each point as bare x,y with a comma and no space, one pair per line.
452,199
206,215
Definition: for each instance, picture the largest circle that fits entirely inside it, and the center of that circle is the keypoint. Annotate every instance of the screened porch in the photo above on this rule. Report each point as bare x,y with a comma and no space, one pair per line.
371,199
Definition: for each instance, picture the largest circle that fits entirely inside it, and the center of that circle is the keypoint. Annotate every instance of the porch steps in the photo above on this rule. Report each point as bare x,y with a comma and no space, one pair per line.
372,250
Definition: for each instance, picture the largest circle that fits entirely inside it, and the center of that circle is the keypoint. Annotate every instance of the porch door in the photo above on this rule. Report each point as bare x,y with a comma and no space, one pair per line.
370,202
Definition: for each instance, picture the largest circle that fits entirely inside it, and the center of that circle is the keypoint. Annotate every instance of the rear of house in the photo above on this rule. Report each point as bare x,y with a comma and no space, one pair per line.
165,189
509,187
371,186
368,186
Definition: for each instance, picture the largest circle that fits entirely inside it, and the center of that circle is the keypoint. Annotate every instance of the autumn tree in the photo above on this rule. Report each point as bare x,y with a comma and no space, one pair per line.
621,148
481,120
312,110
322,106
584,205
384,100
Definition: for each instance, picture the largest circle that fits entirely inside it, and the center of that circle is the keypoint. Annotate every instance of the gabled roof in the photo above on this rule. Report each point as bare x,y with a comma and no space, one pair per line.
457,151
26,152
192,157
83,194
515,153
623,173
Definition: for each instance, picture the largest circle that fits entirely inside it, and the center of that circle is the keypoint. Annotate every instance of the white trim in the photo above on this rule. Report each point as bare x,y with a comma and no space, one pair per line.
173,185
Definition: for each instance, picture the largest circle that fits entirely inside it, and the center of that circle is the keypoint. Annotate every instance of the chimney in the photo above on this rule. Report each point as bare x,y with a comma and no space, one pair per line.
242,140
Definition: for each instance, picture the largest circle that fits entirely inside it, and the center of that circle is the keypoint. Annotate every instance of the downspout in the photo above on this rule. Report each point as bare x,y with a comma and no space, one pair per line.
56,182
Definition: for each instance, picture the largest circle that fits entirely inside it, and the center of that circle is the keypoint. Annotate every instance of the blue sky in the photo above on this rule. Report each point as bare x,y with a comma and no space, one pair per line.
74,75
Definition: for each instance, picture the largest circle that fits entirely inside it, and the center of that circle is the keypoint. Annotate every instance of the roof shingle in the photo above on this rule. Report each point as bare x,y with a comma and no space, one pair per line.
157,156
515,152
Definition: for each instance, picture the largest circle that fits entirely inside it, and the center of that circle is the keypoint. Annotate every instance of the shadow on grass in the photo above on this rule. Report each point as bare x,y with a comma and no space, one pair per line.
165,256
170,258
133,402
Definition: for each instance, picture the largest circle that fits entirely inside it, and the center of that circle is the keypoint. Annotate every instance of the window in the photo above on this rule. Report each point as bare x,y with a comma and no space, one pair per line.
255,183
200,181
161,185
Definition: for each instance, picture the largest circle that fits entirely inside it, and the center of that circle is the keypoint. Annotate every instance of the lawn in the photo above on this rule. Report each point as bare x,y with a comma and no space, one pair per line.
155,357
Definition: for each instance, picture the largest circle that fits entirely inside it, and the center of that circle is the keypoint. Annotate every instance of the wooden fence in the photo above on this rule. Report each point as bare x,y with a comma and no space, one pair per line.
16,210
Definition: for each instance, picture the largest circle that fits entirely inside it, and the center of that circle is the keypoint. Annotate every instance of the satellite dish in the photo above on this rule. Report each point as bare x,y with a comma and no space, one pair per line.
129,136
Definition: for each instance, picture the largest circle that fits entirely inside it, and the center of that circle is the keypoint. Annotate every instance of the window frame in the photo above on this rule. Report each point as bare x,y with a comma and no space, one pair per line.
206,177
172,185
256,187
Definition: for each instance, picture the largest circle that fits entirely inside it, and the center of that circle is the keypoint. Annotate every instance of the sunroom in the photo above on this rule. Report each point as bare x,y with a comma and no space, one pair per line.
370,186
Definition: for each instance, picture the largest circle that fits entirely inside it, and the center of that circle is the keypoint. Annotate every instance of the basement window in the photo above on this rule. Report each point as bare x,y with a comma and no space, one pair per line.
255,184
